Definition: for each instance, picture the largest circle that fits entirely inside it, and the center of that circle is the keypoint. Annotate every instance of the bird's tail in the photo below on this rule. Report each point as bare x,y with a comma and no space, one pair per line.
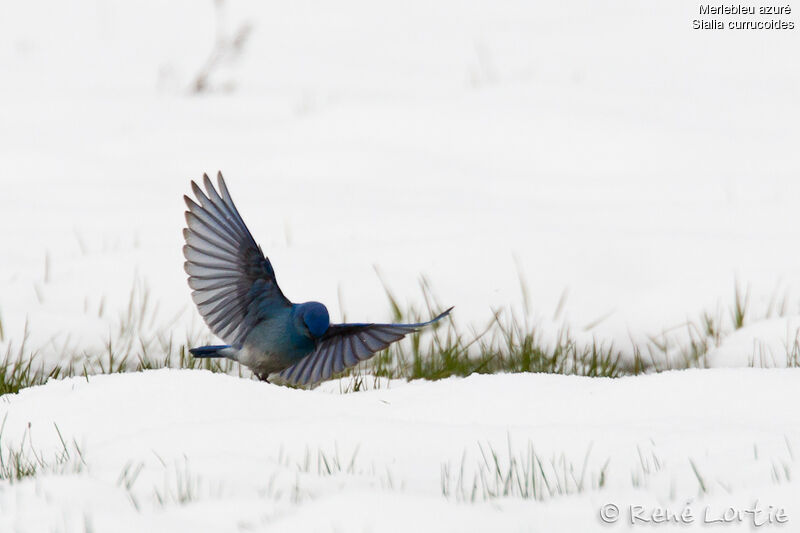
222,350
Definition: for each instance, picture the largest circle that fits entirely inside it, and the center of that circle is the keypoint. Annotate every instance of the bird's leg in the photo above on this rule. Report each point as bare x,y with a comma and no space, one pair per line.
262,377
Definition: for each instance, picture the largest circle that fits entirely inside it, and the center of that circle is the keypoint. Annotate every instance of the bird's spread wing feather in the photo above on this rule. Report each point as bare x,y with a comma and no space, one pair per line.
345,345
232,282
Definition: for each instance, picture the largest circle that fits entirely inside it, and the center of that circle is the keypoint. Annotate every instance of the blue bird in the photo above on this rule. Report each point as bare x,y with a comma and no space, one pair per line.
234,288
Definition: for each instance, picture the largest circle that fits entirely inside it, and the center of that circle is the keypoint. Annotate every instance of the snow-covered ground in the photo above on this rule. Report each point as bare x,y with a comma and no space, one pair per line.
602,148
250,456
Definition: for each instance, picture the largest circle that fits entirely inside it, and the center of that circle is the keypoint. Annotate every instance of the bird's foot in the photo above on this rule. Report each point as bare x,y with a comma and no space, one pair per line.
262,377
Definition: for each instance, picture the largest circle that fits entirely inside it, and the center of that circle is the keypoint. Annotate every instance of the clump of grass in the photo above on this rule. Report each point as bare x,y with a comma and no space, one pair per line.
180,486
740,305
227,49
781,469
23,461
522,475
508,343
324,463
793,351
127,478
319,463
136,344
649,465
17,369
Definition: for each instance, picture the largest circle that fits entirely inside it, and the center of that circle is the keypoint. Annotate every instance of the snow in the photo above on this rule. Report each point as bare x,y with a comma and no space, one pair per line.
241,445
764,343
601,149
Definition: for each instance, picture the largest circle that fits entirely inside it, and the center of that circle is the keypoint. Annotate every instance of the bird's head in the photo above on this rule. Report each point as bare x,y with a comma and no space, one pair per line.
315,318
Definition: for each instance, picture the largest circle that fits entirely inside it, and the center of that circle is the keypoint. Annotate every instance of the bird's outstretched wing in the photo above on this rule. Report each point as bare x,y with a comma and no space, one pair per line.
345,345
233,282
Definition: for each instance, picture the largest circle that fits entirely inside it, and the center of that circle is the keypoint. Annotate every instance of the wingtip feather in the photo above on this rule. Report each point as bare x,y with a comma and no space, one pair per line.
445,313
191,204
208,185
198,192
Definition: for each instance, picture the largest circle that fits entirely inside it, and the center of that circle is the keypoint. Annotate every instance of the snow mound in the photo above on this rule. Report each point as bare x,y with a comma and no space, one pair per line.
773,343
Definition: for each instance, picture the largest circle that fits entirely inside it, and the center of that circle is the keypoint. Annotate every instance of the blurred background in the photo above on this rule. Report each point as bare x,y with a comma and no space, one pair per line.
628,170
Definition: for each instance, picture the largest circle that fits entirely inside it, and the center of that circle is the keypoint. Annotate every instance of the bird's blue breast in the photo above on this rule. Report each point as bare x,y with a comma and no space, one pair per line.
279,339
